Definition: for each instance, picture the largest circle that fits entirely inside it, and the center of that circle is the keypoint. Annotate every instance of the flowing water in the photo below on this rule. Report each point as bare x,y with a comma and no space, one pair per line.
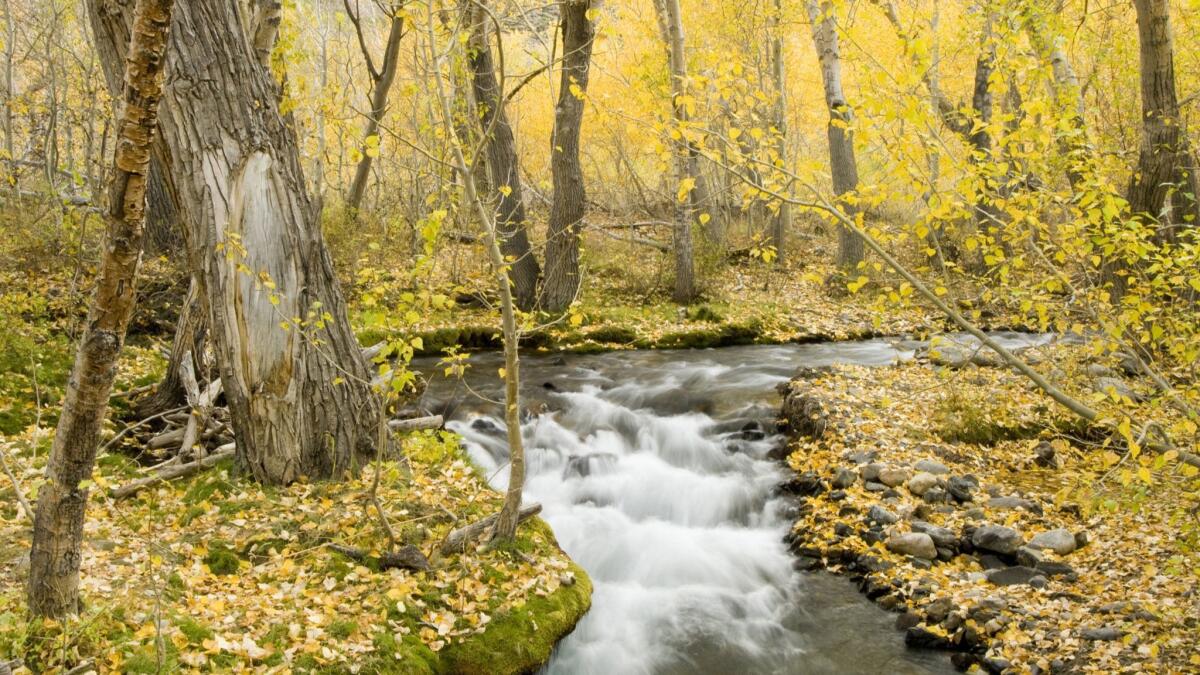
652,469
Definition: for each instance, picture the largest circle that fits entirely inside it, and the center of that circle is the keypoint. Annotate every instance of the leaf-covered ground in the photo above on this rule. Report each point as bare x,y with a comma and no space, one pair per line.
220,574
1133,606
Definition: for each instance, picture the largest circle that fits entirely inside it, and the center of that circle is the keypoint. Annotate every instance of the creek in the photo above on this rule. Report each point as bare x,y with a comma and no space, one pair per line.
652,468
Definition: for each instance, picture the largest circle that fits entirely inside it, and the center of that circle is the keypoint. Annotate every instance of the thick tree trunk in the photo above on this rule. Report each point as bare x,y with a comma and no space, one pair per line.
843,165
381,86
298,396
503,164
58,524
671,24
566,212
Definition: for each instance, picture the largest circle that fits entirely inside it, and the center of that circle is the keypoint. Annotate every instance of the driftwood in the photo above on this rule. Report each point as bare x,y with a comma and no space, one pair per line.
173,472
416,423
458,540
407,557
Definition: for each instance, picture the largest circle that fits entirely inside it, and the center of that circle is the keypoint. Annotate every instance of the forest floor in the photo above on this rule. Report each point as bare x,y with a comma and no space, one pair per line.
984,465
217,573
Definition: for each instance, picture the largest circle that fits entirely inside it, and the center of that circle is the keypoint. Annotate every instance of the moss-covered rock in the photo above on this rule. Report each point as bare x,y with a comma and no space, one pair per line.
521,640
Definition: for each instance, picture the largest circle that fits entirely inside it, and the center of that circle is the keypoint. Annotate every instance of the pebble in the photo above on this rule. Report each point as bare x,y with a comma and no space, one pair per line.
870,472
878,514
892,476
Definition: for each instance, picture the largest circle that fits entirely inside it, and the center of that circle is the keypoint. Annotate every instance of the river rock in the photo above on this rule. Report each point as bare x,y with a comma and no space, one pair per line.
916,544
1029,557
805,484
942,537
878,514
1011,576
998,539
1103,634
892,476
961,488
932,466
844,478
921,482
1011,502
870,472
872,486
803,414
937,495
1061,541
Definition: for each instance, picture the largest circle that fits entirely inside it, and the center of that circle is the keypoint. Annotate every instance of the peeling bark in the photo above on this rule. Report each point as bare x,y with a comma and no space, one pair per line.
58,524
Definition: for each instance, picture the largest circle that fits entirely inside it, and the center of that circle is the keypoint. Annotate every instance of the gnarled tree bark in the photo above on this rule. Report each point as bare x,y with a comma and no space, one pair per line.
299,397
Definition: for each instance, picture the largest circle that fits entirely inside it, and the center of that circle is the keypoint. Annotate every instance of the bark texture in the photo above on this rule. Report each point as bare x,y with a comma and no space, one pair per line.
58,524
255,243
671,24
567,210
503,164
843,164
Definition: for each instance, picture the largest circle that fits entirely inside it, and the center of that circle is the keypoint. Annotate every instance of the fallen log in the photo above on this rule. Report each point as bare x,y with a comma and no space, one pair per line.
407,557
416,423
458,540
173,472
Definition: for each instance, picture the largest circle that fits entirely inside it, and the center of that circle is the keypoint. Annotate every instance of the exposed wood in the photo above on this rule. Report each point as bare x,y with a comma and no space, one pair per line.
407,557
416,423
169,473
459,539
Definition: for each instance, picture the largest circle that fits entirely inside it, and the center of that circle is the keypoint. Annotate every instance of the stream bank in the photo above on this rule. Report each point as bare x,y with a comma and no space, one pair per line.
958,498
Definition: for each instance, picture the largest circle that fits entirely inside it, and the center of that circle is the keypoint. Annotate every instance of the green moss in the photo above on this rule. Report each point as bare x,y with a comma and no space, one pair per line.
221,560
342,629
612,334
522,639
195,632
724,335
703,313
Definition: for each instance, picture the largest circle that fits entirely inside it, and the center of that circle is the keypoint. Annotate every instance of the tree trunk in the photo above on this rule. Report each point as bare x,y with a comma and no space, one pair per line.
566,212
1165,165
299,396
58,524
1048,42
503,164
842,162
381,86
781,220
671,24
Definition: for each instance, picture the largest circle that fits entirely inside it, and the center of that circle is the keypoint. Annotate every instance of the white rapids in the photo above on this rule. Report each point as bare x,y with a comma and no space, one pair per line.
652,469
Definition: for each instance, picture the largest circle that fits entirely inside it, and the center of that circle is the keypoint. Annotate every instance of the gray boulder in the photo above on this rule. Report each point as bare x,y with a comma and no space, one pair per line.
916,544
998,539
921,483
1061,541
892,476
932,466
878,514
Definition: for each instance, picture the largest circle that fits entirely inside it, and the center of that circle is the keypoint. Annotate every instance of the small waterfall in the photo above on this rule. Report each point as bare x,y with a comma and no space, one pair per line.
652,469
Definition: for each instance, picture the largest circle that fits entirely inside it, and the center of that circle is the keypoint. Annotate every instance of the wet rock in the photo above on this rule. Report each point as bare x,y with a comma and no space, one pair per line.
586,465
1061,541
880,515
916,544
892,476
961,488
807,564
932,466
1101,634
803,414
485,426
998,539
920,483
806,484
921,637
1012,576
907,620
870,563
938,610
844,478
